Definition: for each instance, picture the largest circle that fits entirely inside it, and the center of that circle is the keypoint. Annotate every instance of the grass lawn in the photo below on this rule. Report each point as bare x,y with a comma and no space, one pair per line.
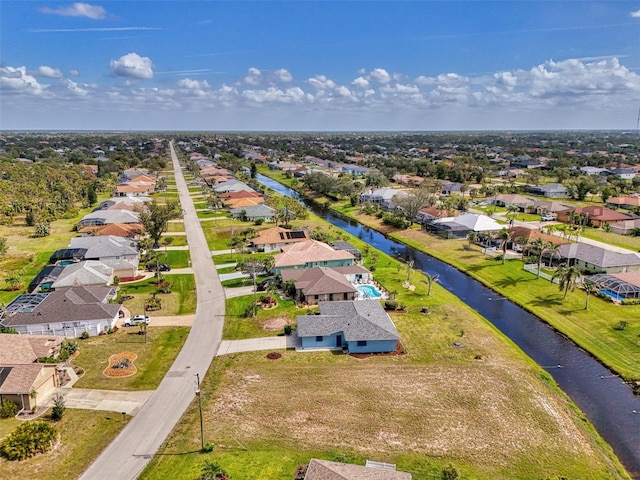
226,270
209,214
624,241
181,300
237,327
176,226
178,240
154,357
239,257
83,435
422,410
175,258
527,217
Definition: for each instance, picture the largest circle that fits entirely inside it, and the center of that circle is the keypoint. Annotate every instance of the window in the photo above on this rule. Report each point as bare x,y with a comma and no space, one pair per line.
362,343
319,338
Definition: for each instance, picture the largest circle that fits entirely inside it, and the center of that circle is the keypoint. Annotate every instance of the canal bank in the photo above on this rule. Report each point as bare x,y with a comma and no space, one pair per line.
609,403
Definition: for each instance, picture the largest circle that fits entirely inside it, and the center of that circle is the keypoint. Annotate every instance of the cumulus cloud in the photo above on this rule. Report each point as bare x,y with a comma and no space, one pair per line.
283,75
321,82
253,77
361,82
132,65
17,79
78,9
635,14
48,72
74,72
380,75
276,95
190,84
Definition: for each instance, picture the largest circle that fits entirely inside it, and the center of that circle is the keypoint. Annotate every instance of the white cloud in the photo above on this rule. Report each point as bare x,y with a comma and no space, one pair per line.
321,82
253,76
74,72
636,14
361,82
17,79
77,89
190,84
380,75
132,65
283,75
78,9
48,72
276,95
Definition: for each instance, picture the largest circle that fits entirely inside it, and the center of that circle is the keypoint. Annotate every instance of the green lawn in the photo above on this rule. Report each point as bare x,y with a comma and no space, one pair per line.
624,241
181,300
154,357
177,240
176,227
237,327
83,435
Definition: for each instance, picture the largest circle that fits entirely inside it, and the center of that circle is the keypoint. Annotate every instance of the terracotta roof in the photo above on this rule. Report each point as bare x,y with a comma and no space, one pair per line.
309,251
632,278
240,194
602,214
117,229
243,202
279,235
27,348
531,234
134,188
635,201
325,470
19,378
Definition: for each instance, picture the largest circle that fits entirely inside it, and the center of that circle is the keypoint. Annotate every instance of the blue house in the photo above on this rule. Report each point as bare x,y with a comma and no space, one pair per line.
360,326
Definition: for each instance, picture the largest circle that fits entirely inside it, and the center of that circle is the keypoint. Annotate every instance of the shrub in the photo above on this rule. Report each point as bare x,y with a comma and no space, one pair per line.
251,310
8,330
390,304
84,335
395,221
212,471
630,301
621,325
287,329
165,286
8,409
450,473
59,407
258,221
47,360
301,471
28,439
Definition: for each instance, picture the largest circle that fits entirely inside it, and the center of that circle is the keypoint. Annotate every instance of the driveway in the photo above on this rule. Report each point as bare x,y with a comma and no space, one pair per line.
107,400
256,344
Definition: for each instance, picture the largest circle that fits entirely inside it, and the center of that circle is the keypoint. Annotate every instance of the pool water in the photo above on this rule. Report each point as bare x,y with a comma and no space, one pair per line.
369,291
611,294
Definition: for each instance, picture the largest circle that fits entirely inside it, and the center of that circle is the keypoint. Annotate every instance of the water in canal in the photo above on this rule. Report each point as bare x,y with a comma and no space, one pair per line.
609,403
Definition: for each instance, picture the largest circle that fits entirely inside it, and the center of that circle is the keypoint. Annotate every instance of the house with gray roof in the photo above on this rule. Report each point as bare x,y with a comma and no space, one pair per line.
326,470
106,217
232,185
255,212
67,312
597,259
115,252
380,196
89,272
550,190
360,326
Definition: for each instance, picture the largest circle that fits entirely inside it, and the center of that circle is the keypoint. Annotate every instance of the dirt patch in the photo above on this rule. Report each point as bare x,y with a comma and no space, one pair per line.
275,324
121,365
274,355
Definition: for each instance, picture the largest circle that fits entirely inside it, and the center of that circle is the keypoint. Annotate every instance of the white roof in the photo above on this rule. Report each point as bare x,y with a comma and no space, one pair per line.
475,222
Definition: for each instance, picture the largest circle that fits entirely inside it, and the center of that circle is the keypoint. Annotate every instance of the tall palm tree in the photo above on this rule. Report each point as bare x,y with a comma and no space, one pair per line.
505,236
472,237
512,213
589,287
568,277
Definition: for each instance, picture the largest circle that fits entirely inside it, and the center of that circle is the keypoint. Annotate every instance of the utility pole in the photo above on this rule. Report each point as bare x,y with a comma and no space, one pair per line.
200,408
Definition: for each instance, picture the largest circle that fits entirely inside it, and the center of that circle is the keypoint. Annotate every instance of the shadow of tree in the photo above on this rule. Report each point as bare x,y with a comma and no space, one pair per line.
511,282
547,301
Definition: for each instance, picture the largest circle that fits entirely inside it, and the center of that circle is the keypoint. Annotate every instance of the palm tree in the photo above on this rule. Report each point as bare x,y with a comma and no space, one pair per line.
409,268
505,236
237,243
472,237
512,213
431,279
568,277
589,287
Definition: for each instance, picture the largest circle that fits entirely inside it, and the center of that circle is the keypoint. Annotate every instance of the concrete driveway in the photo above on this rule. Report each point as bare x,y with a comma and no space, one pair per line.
107,400
256,344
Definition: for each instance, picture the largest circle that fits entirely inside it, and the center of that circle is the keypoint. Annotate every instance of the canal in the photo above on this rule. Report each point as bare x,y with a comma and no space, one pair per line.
608,402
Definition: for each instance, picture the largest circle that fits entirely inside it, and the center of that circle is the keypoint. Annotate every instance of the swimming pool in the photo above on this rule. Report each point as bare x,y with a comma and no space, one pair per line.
611,294
369,291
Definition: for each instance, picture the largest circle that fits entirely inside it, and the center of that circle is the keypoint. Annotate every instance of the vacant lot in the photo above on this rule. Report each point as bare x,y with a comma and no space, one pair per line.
154,357
83,435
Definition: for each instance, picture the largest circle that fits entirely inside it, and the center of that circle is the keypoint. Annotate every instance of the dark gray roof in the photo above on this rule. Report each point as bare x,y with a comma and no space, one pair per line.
74,304
105,246
357,319
68,254
47,274
598,256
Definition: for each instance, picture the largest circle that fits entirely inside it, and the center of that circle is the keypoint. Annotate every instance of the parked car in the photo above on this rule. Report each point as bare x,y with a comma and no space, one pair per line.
137,320
163,267
262,286
548,218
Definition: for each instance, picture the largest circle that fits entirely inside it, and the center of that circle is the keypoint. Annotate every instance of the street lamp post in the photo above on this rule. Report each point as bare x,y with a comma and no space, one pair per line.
198,394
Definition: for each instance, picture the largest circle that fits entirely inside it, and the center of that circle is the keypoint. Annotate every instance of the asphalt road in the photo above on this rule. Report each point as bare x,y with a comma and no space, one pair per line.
135,446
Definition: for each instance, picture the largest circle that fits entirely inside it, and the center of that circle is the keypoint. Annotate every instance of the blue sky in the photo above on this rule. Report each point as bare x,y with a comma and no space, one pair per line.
323,65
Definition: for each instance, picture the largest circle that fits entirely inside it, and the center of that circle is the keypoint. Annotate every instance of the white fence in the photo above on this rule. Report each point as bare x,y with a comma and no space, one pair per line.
533,268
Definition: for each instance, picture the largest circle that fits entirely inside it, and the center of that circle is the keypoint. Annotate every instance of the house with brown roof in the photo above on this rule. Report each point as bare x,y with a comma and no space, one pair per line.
67,312
593,215
243,202
627,202
626,227
239,194
311,253
326,470
274,239
28,348
523,236
126,230
325,283
26,384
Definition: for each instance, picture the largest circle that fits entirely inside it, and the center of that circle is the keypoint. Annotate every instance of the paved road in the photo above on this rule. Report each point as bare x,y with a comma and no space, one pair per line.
135,446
